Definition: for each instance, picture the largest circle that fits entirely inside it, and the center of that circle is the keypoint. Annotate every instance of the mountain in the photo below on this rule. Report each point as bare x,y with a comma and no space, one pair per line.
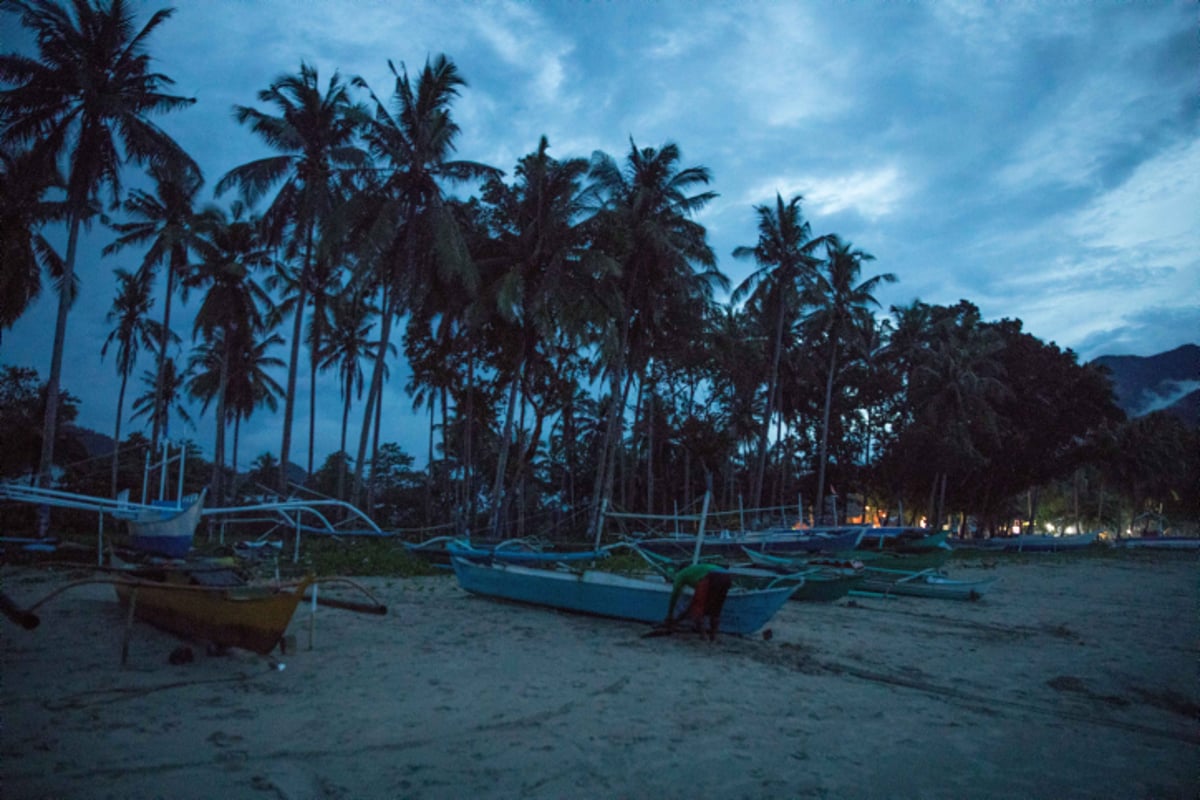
96,443
1165,382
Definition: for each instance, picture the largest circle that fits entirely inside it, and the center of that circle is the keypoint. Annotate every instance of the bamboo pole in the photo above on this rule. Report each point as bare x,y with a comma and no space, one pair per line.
700,533
128,626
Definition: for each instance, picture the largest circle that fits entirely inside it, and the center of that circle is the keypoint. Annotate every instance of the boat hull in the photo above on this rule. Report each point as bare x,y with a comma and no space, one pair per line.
512,555
606,594
253,618
919,585
1029,543
164,532
823,582
822,588
935,558
1160,542
781,542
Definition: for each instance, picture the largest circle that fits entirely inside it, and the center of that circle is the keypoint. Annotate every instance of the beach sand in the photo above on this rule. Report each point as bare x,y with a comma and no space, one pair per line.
1073,678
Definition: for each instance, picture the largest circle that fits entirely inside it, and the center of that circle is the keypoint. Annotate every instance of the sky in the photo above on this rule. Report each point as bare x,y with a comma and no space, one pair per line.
1039,159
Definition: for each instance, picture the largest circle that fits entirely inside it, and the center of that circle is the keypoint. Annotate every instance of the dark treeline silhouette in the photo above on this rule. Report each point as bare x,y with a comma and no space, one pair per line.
562,326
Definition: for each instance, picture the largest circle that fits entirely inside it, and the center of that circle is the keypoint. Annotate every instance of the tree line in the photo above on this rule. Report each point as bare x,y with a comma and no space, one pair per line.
561,327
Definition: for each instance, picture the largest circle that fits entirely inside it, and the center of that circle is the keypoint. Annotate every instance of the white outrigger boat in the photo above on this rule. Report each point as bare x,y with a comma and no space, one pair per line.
167,527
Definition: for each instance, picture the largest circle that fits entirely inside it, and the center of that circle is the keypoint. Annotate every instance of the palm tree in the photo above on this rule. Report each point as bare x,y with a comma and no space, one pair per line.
314,136
167,220
231,250
87,98
786,266
541,287
164,396
645,226
250,385
134,329
24,250
842,309
348,344
413,231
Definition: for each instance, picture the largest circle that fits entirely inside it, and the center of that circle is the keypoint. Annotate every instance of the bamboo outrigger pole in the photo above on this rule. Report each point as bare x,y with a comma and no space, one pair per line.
700,533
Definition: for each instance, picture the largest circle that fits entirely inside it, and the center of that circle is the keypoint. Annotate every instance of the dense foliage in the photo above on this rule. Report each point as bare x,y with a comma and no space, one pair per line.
563,328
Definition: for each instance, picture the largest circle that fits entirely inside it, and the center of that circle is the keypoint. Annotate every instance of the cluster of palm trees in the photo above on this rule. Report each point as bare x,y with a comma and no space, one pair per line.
564,323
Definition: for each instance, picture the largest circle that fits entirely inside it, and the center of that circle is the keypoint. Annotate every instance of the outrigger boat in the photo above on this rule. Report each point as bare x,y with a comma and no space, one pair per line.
518,551
209,603
164,529
781,541
927,583
607,594
1045,543
250,616
825,579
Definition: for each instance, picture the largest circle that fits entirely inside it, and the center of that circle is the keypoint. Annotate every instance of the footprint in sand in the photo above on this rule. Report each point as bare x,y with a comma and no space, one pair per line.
223,739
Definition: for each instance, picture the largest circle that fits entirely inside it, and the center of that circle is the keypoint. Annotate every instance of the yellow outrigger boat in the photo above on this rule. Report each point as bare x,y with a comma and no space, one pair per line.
212,604
250,616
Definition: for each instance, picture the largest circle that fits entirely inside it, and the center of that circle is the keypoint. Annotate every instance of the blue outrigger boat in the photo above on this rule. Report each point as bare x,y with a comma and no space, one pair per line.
164,529
607,594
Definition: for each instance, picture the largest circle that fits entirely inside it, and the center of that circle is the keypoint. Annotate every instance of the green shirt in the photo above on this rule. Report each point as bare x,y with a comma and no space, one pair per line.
688,576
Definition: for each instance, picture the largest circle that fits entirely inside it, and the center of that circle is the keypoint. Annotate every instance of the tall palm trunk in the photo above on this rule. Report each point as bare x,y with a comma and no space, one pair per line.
429,467
606,469
312,405
650,449
50,423
178,259
772,386
468,450
825,428
237,437
375,450
341,485
505,446
117,431
219,460
373,393
289,400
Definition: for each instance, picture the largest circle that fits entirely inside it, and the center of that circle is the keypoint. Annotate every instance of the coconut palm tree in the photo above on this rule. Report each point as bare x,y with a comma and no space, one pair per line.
230,250
415,238
134,330
250,385
645,226
784,254
541,283
24,211
842,309
349,343
314,135
163,397
164,222
87,101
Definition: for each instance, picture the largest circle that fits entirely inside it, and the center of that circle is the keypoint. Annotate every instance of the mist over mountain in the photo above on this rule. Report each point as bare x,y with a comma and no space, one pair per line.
1167,381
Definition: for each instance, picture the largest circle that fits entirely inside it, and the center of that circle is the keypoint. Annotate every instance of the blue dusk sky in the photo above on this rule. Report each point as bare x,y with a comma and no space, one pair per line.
1039,159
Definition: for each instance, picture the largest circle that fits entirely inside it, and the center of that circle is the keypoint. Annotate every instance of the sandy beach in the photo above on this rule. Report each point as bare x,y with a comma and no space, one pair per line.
1074,678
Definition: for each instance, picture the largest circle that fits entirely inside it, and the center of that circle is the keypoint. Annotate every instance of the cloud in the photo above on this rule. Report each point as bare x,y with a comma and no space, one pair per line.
1155,210
525,42
872,194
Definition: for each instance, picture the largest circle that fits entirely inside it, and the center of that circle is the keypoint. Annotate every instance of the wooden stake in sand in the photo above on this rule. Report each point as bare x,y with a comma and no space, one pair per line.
128,626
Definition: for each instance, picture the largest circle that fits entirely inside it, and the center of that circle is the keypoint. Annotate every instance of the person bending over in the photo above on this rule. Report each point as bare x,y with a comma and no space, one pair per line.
711,585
